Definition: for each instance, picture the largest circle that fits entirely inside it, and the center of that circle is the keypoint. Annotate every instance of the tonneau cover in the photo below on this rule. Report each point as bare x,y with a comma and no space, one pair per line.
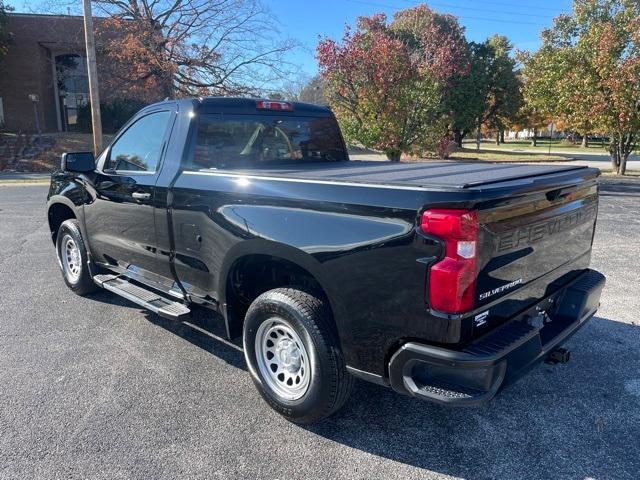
422,174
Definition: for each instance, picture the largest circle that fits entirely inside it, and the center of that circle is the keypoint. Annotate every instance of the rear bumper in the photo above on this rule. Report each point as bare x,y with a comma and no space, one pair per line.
474,374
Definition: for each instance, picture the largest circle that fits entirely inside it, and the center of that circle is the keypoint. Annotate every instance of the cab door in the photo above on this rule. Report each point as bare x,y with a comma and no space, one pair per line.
120,219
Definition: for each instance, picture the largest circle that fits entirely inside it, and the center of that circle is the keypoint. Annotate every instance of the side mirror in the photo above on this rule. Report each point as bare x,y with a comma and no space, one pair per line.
78,162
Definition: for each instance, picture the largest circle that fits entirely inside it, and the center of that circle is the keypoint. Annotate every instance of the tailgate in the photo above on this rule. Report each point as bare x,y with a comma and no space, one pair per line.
543,233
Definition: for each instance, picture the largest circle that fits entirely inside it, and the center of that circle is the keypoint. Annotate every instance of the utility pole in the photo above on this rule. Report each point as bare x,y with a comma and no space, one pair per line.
94,96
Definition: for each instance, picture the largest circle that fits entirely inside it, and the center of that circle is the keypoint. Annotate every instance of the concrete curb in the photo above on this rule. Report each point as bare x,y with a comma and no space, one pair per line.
24,178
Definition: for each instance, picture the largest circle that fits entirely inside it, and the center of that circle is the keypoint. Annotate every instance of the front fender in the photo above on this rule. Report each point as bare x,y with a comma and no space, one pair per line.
68,190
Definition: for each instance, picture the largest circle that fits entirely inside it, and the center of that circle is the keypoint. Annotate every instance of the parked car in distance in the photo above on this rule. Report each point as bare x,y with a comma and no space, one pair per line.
445,281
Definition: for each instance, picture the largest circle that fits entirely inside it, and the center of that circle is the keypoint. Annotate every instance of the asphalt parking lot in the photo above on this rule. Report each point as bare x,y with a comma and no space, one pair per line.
96,388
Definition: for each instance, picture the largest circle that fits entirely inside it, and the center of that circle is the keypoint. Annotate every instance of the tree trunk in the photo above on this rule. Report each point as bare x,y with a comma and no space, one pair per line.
501,136
534,139
614,153
498,138
615,162
628,145
394,155
585,141
619,149
623,164
478,138
457,137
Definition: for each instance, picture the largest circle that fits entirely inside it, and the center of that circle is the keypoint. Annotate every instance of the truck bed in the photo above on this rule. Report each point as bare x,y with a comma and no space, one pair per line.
444,174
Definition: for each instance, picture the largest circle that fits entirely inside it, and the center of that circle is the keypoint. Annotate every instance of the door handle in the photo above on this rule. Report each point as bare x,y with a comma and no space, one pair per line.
141,195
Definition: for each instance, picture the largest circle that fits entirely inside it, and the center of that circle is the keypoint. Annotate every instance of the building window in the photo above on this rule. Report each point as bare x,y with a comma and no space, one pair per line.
73,87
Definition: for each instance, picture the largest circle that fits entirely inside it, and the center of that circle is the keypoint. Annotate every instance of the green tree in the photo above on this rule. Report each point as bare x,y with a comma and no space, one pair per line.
587,73
503,93
466,99
547,91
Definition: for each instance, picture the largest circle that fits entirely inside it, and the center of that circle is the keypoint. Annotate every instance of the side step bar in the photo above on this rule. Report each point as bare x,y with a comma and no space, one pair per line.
145,298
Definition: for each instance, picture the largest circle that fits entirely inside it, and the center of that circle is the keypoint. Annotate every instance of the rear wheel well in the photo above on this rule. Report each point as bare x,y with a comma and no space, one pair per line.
253,275
58,213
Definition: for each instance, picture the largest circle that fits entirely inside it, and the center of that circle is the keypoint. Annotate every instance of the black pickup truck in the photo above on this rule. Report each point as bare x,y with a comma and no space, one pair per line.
445,281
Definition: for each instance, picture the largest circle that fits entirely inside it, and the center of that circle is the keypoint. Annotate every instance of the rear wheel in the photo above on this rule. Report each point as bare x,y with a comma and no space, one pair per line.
73,258
294,356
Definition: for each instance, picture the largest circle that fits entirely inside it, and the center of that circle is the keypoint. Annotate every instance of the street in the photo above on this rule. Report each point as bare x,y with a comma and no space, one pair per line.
97,388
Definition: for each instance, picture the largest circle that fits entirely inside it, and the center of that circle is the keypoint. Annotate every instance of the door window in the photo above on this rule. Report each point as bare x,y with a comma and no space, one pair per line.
139,148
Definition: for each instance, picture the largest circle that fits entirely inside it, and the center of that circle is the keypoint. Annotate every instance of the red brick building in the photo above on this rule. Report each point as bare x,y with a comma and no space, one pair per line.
47,63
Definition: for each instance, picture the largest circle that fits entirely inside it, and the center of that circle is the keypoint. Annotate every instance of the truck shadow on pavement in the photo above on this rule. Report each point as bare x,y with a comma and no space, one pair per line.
618,187
579,420
205,329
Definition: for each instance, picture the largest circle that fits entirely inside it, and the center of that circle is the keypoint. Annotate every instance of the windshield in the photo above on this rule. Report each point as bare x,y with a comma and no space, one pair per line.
227,141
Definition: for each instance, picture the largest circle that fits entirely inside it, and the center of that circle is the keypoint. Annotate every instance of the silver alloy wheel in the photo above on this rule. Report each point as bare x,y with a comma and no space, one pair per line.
71,258
282,359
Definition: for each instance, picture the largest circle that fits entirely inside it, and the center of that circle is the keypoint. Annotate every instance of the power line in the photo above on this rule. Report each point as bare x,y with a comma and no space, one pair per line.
468,17
531,7
462,7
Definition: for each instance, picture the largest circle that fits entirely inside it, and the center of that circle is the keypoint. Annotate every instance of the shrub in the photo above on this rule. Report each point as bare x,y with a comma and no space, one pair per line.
114,115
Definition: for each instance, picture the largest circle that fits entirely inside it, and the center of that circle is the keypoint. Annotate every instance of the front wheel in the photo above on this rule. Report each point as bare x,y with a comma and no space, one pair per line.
294,356
73,258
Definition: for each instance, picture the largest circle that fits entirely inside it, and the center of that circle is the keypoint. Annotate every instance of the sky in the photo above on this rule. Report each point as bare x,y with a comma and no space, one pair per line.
305,20
520,20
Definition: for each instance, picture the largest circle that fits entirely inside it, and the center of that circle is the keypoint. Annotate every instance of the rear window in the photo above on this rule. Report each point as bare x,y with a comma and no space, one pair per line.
228,141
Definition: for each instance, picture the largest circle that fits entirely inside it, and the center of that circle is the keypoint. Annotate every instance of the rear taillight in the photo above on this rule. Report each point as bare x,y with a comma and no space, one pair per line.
452,281
273,105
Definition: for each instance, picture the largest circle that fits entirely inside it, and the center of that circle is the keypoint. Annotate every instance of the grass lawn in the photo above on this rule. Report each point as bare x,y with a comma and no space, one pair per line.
542,145
628,173
491,155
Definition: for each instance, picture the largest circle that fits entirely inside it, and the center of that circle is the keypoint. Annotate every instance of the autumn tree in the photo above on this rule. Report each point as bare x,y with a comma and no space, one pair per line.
548,93
529,117
385,81
182,47
438,41
587,72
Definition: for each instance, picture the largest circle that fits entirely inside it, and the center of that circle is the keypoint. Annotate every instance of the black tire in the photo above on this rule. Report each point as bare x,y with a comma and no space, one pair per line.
329,382
80,281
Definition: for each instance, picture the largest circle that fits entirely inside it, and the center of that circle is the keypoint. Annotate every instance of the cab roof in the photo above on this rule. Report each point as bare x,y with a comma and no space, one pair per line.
245,106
